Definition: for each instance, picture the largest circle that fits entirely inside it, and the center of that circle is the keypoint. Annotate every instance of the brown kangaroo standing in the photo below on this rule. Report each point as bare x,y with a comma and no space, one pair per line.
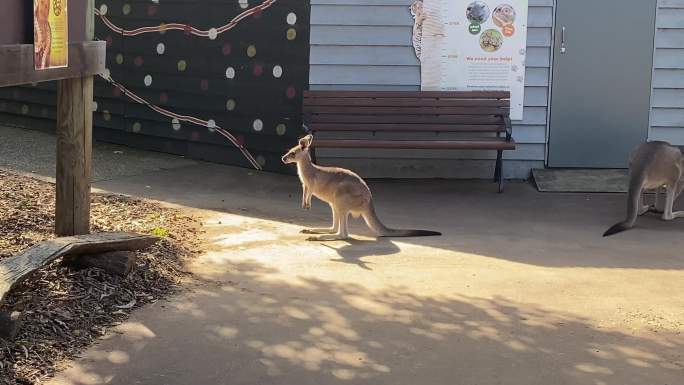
344,191
653,165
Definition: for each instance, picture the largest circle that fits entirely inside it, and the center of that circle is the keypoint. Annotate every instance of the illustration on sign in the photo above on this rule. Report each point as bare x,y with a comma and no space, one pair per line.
470,45
418,14
50,32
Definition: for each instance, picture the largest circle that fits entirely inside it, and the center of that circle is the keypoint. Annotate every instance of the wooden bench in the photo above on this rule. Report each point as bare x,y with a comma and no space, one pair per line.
482,116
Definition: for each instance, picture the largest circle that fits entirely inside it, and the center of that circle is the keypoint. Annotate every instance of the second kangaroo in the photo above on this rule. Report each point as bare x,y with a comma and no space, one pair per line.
344,191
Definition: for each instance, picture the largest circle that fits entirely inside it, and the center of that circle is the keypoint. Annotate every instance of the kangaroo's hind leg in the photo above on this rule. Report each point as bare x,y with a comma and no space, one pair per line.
671,194
342,230
325,230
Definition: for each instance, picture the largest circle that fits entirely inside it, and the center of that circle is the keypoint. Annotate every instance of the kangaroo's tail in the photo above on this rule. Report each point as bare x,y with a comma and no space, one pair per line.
636,186
376,225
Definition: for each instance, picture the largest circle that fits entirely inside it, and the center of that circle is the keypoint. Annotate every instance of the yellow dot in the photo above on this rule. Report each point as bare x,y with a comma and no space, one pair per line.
119,59
251,51
182,65
162,28
291,34
231,104
137,126
281,129
24,109
126,9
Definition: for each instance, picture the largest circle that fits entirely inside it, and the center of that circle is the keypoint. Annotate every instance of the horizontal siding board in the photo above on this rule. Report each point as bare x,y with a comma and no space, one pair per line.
360,35
667,101
668,98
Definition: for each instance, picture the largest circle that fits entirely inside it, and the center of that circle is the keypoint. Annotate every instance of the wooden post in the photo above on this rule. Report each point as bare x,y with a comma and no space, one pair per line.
74,148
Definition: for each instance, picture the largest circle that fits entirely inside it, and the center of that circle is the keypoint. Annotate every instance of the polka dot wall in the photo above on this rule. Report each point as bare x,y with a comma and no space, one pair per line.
239,66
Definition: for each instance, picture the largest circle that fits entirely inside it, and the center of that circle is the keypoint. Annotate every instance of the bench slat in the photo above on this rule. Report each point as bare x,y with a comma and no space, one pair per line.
501,144
318,127
406,102
439,119
364,110
410,94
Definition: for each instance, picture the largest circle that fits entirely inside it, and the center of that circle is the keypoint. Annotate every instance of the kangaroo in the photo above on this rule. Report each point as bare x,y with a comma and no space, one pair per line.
344,191
652,166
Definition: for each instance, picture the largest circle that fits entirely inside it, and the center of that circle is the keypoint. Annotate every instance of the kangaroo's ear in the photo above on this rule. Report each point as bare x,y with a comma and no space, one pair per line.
306,141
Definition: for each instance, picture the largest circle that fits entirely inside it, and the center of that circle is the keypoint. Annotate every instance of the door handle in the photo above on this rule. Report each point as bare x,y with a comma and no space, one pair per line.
563,48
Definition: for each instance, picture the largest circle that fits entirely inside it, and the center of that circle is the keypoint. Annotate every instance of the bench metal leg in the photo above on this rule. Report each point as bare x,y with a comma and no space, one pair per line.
498,173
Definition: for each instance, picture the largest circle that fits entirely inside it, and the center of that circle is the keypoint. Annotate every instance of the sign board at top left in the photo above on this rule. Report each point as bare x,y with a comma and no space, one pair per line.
51,34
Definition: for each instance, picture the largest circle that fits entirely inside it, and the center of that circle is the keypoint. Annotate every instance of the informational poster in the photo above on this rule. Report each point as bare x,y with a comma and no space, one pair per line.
50,32
466,45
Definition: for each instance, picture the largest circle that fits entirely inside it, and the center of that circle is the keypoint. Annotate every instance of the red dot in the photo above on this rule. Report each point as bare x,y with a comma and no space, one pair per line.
109,41
204,84
187,29
258,13
163,98
116,92
138,61
240,139
195,135
291,92
227,49
258,70
152,10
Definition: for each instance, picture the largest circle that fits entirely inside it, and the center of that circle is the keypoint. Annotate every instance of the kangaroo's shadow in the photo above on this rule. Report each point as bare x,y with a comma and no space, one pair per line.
355,250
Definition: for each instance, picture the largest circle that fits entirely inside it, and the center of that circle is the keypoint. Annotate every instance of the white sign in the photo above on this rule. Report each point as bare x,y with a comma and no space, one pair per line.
467,45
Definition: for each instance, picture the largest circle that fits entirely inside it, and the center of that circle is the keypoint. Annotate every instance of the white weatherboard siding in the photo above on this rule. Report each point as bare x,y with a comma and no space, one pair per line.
667,100
366,45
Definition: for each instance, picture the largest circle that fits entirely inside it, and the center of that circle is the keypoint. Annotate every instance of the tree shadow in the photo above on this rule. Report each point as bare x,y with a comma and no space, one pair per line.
252,327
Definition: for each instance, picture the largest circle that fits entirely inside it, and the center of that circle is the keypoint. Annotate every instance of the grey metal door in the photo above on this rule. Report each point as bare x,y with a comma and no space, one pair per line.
601,81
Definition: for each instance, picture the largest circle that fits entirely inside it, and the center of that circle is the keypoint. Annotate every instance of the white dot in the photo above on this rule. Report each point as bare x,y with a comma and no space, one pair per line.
277,71
213,33
106,115
230,72
161,48
175,124
136,127
291,18
94,106
107,74
261,160
243,3
148,80
258,125
103,9
211,124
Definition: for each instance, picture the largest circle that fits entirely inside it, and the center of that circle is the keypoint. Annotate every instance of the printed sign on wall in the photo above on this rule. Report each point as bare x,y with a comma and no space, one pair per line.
467,45
50,31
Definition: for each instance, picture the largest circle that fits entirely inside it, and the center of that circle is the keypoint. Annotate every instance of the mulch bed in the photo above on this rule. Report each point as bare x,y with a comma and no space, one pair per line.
66,310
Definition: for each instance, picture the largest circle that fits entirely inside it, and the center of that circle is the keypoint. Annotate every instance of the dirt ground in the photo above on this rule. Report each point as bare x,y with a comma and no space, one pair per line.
64,310
521,289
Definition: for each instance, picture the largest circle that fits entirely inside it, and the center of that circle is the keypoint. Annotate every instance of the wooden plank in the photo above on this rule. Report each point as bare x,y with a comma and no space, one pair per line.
16,269
446,119
368,110
494,144
410,94
407,102
408,127
16,63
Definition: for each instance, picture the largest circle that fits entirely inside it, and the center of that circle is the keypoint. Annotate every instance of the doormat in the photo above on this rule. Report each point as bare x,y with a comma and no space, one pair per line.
581,181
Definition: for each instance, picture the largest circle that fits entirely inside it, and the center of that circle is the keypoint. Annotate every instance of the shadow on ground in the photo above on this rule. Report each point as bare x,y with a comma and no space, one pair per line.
521,225
253,328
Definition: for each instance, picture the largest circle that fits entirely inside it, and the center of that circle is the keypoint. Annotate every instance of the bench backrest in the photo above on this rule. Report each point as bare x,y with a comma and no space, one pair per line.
415,111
